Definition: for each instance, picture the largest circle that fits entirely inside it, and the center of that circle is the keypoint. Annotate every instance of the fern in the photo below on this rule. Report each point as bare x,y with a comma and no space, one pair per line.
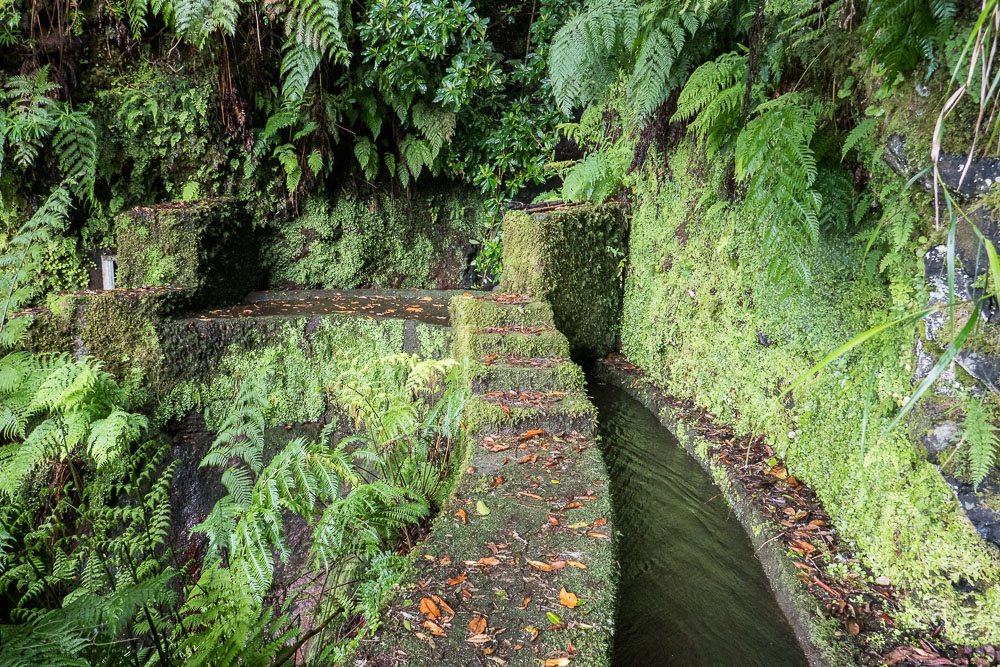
775,161
981,435
297,67
861,132
316,24
713,96
437,125
367,155
650,82
901,33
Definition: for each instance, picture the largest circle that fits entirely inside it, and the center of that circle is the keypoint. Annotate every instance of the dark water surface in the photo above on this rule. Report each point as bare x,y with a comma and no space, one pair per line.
692,593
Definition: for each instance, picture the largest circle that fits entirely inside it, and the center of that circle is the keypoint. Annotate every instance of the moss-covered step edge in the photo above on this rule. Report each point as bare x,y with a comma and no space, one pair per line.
481,311
498,376
816,633
574,412
546,343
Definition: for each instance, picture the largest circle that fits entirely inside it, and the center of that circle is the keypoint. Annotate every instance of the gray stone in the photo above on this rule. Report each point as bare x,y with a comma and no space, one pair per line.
940,438
967,182
985,520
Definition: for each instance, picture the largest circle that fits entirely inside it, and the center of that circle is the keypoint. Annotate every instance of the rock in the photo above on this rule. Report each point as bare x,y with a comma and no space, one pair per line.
895,155
936,276
983,367
979,506
980,176
940,438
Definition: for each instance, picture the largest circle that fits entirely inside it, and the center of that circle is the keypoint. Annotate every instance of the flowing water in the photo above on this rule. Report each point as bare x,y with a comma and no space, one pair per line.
692,592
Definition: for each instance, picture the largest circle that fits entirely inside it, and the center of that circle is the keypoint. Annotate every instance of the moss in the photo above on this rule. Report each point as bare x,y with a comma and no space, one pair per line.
207,246
501,377
301,357
571,259
696,306
378,240
433,342
548,343
479,313
574,412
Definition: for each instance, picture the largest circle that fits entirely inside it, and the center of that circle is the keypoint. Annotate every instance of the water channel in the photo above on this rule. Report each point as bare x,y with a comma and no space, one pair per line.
692,592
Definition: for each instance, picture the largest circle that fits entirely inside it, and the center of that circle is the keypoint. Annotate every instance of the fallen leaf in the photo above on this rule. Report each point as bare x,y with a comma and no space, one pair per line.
600,536
481,508
576,564
567,599
429,607
477,625
434,628
545,567
483,561
455,581
461,515
555,662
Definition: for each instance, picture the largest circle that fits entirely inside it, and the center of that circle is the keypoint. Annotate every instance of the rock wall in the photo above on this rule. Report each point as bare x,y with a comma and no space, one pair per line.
705,319
379,240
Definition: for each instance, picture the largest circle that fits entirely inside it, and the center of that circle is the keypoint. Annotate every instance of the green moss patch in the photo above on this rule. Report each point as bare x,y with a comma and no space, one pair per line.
378,240
207,245
571,259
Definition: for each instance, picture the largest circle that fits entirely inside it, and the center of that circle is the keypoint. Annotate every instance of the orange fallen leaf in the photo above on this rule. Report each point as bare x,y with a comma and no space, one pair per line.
444,606
600,522
461,515
555,662
531,434
558,564
429,607
545,567
573,505
477,625
600,536
484,561
576,564
455,581
434,628
567,599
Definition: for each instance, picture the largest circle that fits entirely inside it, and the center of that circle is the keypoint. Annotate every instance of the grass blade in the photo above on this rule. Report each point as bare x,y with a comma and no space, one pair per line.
939,367
854,342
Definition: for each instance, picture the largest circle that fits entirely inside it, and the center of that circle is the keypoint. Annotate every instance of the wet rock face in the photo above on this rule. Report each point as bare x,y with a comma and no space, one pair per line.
981,507
979,175
983,367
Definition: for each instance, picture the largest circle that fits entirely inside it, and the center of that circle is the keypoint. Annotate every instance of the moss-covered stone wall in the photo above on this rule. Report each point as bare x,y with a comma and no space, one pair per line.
300,357
571,258
703,318
208,246
379,240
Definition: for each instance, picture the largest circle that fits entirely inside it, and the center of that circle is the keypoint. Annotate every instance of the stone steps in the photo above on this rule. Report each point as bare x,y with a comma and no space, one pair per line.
529,518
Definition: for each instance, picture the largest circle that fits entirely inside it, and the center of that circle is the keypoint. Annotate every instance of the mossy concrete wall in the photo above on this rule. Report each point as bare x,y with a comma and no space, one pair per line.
422,240
208,246
570,258
174,365
703,318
